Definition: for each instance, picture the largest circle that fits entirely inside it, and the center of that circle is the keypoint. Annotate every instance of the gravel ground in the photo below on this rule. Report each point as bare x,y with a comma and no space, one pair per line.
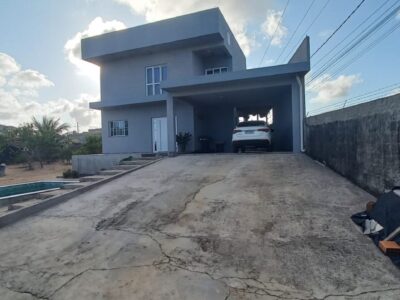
20,174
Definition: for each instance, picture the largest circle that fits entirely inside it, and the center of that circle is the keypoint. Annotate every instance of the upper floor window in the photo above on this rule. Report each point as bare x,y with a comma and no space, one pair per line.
216,70
154,75
118,128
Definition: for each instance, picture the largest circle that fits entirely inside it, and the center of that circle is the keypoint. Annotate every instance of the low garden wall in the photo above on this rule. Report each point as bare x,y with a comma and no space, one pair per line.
93,163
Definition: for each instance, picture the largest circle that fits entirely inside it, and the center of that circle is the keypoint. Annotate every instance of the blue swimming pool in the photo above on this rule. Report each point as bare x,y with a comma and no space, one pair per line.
30,187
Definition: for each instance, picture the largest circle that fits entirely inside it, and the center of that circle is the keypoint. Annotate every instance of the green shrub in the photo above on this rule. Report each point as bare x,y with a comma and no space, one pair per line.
93,144
70,174
182,139
127,158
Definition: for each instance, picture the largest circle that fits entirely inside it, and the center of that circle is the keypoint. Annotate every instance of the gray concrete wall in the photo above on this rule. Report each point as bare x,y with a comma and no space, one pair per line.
185,120
282,123
361,142
94,163
139,137
302,53
124,80
139,119
216,122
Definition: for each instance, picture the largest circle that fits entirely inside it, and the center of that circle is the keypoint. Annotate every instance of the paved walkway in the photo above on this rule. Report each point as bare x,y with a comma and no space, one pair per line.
202,227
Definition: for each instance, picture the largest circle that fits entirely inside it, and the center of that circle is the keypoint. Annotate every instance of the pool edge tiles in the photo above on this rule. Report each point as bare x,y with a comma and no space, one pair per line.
24,190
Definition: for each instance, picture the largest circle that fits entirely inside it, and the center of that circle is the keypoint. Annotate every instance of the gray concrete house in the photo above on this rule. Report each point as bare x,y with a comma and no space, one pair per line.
188,74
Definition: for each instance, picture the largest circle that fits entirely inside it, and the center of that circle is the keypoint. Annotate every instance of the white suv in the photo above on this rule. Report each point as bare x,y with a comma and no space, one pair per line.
254,134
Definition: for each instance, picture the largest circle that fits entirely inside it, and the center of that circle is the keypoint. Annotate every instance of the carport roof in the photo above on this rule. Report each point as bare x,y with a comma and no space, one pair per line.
250,75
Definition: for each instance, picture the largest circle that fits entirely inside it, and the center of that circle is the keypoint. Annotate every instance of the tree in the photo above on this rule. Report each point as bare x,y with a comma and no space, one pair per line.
92,145
48,136
8,149
66,149
25,139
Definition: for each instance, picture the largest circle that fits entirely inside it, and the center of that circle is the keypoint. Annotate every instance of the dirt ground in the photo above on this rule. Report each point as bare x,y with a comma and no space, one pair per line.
202,227
19,173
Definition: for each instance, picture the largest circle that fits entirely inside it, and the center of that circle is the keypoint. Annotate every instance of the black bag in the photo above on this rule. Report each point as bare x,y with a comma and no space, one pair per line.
386,212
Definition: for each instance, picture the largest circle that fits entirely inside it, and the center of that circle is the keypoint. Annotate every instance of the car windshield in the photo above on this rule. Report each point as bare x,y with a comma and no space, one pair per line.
251,123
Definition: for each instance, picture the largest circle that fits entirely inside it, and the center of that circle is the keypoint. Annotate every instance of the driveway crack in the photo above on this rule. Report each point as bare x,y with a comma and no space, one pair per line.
249,289
36,296
102,270
175,215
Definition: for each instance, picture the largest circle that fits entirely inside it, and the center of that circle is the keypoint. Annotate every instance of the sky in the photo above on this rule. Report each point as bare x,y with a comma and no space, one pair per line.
41,72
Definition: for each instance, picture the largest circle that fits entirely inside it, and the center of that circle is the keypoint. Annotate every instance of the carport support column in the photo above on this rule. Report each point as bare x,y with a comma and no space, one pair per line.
296,127
171,126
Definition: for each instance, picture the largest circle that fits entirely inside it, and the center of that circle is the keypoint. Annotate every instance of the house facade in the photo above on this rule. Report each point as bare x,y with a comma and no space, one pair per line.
188,74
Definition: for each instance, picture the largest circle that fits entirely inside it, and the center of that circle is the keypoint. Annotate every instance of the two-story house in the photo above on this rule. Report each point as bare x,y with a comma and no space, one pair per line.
188,74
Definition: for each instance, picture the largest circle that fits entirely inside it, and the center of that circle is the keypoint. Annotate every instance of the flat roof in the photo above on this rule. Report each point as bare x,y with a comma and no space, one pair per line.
192,29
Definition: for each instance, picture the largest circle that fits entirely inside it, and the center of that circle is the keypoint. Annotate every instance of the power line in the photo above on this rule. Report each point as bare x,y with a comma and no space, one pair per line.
358,55
294,32
363,36
360,98
372,92
273,35
355,29
338,28
356,43
305,32
368,48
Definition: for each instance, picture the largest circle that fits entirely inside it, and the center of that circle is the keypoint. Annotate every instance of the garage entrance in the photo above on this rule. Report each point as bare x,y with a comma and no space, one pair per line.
217,114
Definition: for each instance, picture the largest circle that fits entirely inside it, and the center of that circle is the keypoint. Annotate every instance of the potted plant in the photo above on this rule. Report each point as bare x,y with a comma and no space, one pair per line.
182,139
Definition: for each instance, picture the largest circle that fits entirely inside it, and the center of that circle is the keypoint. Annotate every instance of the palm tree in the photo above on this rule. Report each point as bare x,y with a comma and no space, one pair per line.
49,125
48,136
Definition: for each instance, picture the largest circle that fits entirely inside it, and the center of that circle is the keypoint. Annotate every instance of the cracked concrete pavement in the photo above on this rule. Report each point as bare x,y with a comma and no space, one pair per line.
262,226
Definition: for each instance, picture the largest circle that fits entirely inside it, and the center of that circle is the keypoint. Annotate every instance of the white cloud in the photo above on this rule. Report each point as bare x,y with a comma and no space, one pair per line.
238,13
326,90
246,42
72,47
19,83
2,81
80,112
8,65
19,99
29,79
274,28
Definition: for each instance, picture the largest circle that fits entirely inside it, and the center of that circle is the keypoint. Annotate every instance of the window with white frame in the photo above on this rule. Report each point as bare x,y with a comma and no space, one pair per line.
154,76
118,128
212,71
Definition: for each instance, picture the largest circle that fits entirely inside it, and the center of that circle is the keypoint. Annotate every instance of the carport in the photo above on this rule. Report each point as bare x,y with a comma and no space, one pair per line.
215,115
217,102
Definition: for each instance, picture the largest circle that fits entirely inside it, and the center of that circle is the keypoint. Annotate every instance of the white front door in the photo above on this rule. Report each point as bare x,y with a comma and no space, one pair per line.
160,135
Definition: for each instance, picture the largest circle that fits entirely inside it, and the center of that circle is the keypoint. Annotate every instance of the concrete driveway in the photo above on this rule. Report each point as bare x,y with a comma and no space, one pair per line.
202,227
